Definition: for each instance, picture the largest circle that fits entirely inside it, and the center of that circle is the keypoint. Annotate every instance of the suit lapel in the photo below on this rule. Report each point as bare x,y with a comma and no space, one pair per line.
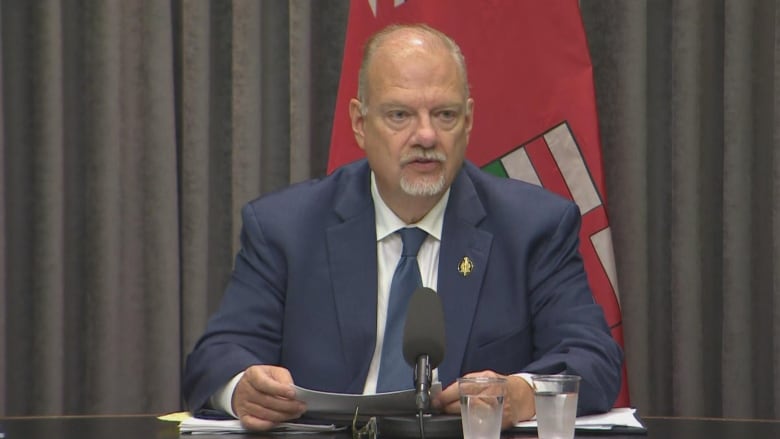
463,261
353,267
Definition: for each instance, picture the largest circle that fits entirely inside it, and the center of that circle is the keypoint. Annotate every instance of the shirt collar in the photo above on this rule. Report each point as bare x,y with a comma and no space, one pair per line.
388,222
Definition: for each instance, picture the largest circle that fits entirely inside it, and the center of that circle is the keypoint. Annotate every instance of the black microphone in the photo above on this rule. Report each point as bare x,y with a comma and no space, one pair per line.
424,341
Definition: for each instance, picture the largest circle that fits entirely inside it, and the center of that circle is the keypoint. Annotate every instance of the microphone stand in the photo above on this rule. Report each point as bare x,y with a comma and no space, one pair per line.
422,386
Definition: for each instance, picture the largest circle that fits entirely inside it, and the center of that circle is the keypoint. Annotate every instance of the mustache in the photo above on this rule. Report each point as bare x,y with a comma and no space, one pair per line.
423,154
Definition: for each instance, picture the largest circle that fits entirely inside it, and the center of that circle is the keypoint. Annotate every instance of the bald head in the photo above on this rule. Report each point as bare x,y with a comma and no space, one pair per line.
402,40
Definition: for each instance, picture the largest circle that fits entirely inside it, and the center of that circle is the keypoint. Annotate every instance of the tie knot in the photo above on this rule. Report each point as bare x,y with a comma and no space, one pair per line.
412,238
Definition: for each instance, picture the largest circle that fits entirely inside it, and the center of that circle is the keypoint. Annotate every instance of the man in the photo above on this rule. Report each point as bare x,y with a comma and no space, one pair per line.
308,300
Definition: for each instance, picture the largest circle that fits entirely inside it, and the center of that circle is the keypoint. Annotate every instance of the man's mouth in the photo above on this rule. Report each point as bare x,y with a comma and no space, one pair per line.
423,165
426,159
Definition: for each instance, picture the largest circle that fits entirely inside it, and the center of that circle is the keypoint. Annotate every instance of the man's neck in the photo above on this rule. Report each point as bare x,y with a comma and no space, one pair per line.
408,208
411,209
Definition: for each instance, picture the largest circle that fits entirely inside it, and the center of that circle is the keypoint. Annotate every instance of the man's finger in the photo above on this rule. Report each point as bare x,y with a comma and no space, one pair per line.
271,380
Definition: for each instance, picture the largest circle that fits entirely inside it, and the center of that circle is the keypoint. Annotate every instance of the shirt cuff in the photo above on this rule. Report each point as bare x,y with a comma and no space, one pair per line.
222,399
528,377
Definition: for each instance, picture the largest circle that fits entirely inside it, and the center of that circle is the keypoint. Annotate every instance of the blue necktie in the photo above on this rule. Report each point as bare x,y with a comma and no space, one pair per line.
394,373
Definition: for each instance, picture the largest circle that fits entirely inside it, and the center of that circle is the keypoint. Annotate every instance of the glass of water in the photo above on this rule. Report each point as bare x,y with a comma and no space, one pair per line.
481,406
556,405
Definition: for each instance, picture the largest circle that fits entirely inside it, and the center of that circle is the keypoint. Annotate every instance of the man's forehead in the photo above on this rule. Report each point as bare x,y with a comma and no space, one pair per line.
410,36
416,100
406,41
398,63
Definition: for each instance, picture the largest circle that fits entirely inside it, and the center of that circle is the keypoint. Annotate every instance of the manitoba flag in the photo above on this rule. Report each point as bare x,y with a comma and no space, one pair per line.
535,112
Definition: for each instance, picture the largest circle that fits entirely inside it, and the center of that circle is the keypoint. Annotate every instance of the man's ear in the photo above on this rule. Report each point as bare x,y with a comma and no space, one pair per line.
469,115
358,120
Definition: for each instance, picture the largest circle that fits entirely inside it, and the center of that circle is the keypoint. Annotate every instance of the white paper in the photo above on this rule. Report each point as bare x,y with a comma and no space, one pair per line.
617,417
380,404
213,426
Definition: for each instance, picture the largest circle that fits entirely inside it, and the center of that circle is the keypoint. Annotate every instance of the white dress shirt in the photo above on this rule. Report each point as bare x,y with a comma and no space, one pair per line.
388,252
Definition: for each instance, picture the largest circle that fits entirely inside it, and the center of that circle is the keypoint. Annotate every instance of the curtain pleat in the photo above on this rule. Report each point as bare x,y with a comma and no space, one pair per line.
193,104
132,133
300,90
246,108
738,195
102,223
3,212
157,296
692,192
657,269
46,293
275,83
773,98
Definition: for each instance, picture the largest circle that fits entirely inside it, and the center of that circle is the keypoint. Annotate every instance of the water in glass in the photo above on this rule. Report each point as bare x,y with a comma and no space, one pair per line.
555,413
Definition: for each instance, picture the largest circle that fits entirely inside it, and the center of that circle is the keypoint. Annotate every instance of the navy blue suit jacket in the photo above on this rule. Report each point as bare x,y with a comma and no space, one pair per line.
303,290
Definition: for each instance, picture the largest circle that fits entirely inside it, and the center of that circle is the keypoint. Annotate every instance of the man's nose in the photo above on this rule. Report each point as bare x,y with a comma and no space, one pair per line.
425,133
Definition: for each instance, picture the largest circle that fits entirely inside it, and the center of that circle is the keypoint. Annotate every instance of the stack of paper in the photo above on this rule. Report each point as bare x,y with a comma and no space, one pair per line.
622,419
210,426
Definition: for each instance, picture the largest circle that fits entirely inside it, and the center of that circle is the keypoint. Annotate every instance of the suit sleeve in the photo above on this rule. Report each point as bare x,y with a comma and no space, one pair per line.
246,330
570,332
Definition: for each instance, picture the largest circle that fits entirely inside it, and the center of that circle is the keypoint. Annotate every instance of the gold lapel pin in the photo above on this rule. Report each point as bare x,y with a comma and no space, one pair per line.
466,266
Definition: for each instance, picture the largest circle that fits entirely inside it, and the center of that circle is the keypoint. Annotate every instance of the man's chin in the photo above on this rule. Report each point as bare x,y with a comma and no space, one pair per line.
423,187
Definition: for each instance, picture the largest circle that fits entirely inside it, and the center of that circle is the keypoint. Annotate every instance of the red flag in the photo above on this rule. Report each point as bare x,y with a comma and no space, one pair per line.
535,113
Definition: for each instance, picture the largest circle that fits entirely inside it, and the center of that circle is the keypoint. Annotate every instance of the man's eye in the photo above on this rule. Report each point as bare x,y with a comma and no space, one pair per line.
397,116
447,115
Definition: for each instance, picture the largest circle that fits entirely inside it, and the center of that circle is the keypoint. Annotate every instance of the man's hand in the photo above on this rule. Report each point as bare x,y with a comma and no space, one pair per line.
264,397
518,403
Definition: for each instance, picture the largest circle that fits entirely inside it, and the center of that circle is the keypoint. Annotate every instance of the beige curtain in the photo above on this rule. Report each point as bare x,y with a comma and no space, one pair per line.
132,132
689,105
